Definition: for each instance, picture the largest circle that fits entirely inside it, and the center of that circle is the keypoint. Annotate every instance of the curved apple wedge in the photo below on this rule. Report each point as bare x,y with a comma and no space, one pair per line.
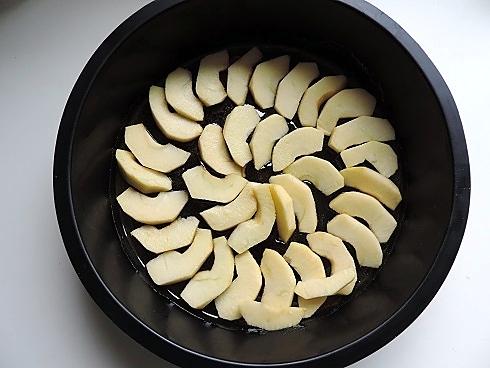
286,222
279,280
378,154
209,88
178,90
269,318
239,74
317,288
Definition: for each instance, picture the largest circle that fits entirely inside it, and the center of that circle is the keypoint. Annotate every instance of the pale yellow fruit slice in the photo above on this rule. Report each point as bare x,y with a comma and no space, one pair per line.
316,288
378,154
178,90
279,280
209,88
286,222
269,318
239,74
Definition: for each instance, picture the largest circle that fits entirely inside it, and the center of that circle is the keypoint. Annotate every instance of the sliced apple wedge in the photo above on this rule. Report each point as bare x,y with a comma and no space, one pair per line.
369,209
172,125
144,179
266,134
279,280
269,318
299,142
214,152
348,103
309,266
205,286
286,222
266,78
316,95
251,232
241,209
172,267
321,173
244,288
378,154
178,234
347,228
178,90
151,154
303,202
209,88
202,185
292,88
360,130
163,208
239,74
333,249
373,183
239,124
316,288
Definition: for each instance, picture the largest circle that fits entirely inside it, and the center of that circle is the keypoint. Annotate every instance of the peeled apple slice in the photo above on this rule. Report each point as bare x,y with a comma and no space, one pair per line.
244,288
151,154
144,179
317,94
348,103
279,280
369,209
333,249
239,74
208,86
299,142
239,124
172,125
321,173
309,266
286,222
292,88
266,134
266,78
172,267
205,286
202,185
241,209
251,232
269,318
213,151
163,208
303,202
373,183
360,130
178,234
378,154
178,90
316,288
347,228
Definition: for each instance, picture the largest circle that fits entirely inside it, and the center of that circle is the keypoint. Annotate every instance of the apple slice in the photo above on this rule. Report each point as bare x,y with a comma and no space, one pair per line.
241,209
172,125
239,124
214,152
309,266
317,288
348,103
303,202
292,88
269,318
144,179
178,234
202,185
360,130
239,74
347,228
251,232
266,78
209,88
279,280
244,288
321,173
369,209
172,267
266,134
299,142
151,154
378,154
178,90
205,286
333,249
373,183
163,208
286,223
317,94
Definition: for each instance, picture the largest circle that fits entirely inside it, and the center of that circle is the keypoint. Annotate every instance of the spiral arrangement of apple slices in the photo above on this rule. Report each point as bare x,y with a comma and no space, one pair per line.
251,209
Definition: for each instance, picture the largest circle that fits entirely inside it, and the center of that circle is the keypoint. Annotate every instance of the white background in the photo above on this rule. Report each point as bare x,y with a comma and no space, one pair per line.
47,318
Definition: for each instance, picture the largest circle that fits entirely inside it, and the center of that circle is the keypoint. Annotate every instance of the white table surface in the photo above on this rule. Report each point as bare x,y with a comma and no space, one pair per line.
47,317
